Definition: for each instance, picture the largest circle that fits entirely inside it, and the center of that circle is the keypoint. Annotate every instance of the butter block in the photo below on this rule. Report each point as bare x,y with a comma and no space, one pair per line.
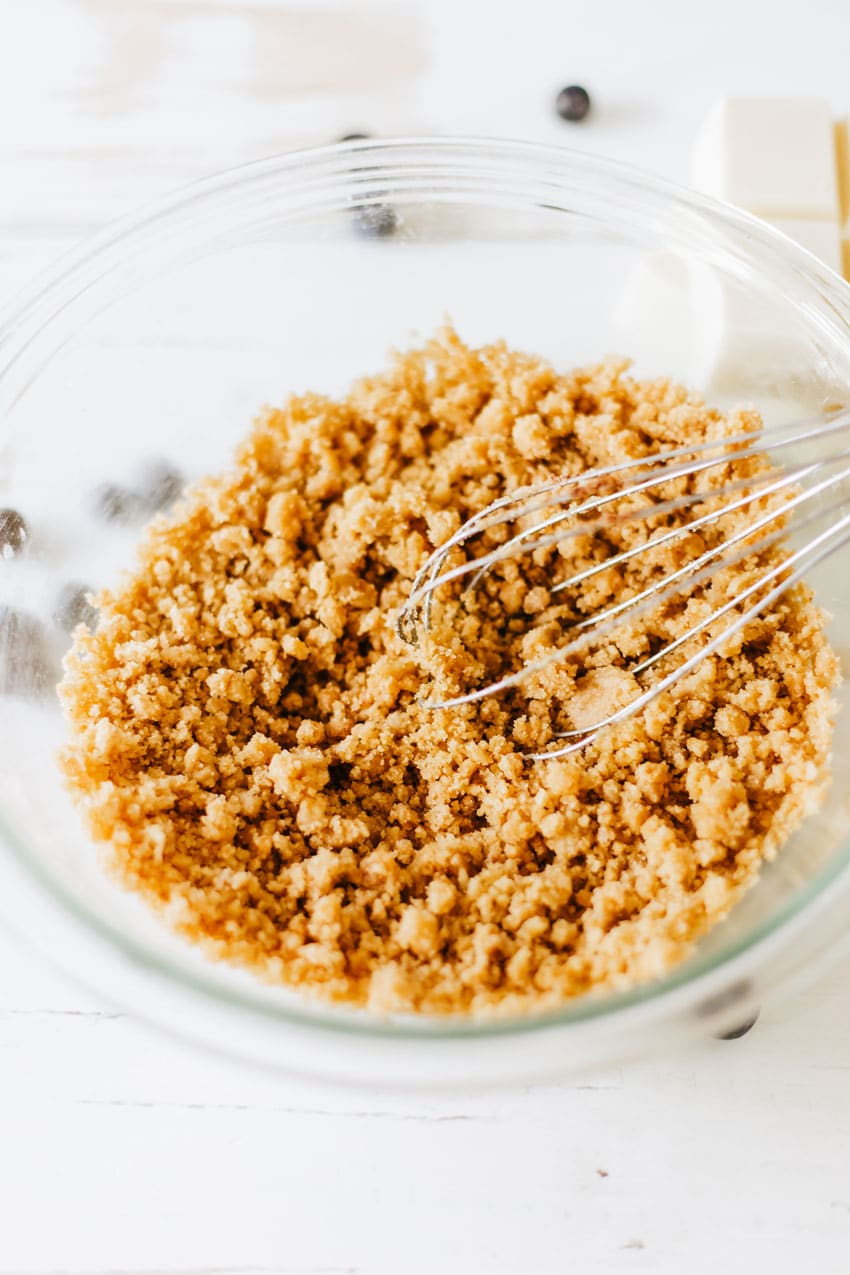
772,156
744,342
842,167
677,316
821,238
651,321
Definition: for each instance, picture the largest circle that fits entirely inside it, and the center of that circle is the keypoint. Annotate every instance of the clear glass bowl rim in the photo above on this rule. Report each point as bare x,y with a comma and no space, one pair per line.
34,326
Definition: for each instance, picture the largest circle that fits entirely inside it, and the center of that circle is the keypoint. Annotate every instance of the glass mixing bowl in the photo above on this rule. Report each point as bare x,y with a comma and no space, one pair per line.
163,336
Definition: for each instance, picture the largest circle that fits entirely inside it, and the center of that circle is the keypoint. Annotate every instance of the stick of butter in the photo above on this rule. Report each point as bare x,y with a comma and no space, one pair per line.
775,157
821,238
842,171
783,160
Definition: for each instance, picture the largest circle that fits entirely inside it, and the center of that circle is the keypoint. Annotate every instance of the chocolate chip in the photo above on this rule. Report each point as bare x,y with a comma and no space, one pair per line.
113,503
160,485
573,103
741,1030
376,221
724,999
73,608
24,668
14,532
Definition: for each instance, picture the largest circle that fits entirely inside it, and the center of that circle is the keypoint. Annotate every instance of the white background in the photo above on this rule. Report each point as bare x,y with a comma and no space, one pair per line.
123,1152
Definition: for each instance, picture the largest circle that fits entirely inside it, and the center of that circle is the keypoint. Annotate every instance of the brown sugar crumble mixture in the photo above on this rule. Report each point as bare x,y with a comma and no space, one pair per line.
248,741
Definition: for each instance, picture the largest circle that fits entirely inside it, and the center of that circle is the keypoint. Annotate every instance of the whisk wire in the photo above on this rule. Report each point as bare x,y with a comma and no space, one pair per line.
595,492
733,447
716,551
505,509
828,541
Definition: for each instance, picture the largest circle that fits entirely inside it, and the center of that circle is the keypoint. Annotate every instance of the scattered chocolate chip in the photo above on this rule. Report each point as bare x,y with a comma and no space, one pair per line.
73,608
376,221
113,503
739,991
24,668
573,103
741,1030
160,485
14,532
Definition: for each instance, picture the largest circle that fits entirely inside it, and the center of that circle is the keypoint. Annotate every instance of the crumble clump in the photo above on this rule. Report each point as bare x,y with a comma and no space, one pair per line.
247,742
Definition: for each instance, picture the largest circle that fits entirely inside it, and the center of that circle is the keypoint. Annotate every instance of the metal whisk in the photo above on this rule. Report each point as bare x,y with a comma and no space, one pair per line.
794,498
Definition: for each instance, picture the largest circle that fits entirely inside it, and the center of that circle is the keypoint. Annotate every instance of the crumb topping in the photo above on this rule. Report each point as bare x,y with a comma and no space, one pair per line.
247,741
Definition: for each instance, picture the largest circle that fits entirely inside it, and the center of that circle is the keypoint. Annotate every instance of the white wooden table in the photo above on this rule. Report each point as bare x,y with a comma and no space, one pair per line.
124,1152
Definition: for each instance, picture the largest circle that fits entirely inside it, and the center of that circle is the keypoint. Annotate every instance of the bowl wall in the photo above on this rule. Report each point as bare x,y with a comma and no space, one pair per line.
164,337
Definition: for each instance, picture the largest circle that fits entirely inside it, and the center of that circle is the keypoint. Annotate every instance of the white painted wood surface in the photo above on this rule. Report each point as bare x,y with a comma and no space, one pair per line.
121,1151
